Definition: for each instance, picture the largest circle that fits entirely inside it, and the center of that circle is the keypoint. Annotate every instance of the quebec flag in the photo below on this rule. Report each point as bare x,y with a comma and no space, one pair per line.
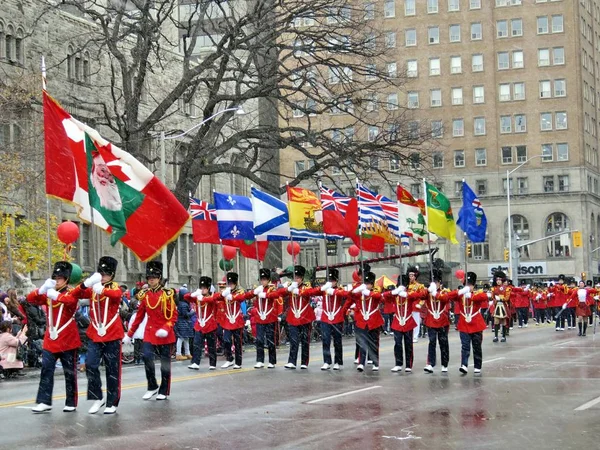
271,217
471,217
234,216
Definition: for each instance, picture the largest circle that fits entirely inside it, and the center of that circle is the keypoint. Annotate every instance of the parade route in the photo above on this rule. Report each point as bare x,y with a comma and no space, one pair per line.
533,392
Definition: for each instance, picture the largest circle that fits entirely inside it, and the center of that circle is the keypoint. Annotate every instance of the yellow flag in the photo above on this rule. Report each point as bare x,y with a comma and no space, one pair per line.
439,214
306,218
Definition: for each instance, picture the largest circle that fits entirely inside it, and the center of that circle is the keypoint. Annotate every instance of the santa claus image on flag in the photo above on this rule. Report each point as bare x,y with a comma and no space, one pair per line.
105,185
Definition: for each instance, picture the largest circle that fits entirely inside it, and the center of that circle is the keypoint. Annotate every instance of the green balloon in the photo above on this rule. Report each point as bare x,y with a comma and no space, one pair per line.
362,258
75,274
248,242
225,265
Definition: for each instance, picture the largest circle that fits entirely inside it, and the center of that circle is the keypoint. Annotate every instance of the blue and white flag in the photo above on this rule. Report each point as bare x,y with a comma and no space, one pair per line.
271,217
234,216
471,217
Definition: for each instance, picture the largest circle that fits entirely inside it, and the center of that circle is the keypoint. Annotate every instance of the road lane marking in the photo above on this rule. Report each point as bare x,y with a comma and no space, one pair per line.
492,360
588,405
342,395
563,343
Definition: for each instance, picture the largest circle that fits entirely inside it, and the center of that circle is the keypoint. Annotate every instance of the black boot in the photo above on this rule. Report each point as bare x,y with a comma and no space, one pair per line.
496,328
584,327
504,333
579,325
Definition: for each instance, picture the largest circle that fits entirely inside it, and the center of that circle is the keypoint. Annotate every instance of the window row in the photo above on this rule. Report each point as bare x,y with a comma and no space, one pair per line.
509,155
12,44
78,66
435,67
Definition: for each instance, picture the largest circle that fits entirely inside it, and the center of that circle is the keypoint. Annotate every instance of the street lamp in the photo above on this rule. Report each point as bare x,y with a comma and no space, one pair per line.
163,165
514,276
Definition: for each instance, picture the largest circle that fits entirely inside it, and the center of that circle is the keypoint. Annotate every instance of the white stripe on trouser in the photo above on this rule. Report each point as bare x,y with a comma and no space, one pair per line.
417,317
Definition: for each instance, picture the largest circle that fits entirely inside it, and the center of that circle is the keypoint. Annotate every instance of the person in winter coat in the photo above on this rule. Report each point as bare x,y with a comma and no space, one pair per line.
138,336
184,329
8,347
36,327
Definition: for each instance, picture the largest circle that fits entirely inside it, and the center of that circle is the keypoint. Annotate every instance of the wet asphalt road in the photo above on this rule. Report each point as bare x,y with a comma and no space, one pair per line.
526,398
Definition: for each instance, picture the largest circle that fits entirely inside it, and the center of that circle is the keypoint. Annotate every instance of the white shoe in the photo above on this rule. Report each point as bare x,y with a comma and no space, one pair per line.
477,371
369,362
259,365
41,408
69,409
160,397
525,325
290,366
96,406
375,369
325,366
397,369
428,368
415,340
227,365
304,366
408,370
110,410
149,394
520,326
336,366
356,361
236,367
444,369
212,368
194,366
271,366
464,370
360,367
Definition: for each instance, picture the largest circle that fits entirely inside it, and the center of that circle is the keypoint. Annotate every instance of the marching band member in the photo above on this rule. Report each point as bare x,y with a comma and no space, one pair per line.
158,303
538,297
266,304
584,297
105,333
300,316
332,320
368,320
559,294
437,322
414,287
205,328
232,320
61,339
521,303
471,324
500,305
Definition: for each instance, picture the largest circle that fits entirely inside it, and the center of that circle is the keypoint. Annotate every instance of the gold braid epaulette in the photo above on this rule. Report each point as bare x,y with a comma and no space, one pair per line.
306,285
141,294
376,289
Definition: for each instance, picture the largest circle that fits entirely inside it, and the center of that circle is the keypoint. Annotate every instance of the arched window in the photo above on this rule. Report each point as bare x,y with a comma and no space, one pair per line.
8,43
558,246
70,62
520,228
593,237
2,41
19,50
86,68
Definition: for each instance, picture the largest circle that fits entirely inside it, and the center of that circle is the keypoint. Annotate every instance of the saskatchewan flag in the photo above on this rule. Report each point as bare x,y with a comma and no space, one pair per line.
439,214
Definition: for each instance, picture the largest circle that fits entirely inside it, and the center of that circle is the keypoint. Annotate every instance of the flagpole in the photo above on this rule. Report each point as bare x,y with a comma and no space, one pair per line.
360,233
291,235
319,185
48,238
427,225
400,236
465,250
255,242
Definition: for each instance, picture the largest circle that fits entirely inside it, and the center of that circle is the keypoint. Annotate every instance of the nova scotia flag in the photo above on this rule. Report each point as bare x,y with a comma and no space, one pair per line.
234,216
271,217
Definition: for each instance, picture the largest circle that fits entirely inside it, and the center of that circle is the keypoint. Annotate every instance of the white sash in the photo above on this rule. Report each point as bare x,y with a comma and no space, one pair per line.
203,319
331,314
54,331
102,326
403,316
295,309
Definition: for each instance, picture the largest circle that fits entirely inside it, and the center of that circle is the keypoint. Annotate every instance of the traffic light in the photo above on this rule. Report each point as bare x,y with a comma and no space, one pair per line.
469,254
505,254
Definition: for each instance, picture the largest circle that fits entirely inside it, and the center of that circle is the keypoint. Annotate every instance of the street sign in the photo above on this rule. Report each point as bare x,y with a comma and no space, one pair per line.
577,241
331,247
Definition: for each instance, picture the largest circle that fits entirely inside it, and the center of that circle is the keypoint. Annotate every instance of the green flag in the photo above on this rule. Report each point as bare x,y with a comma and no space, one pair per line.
439,214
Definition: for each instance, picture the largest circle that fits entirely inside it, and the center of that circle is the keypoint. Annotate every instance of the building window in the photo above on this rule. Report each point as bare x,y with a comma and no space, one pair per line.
84,241
542,25
545,121
522,186
521,153
560,120
454,33
437,129
501,28
504,185
458,127
410,37
369,11
434,66
562,152
394,164
558,56
438,160
455,64
390,39
392,70
520,227
457,96
475,4
516,27
517,59
506,155
503,61
299,166
545,89
479,126
433,34
409,8
547,153
480,157
436,97
548,182
389,8
478,94
504,92
543,57
560,88
557,23
476,31
520,123
458,187
413,99
371,72
477,63
415,189
432,6
412,68
505,124
459,158
392,102
563,183
372,132
481,187
480,251
518,91
559,246
453,5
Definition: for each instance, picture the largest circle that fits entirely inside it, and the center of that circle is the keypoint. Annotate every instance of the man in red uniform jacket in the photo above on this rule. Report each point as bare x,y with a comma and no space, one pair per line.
231,320
332,320
471,324
521,303
105,333
158,303
559,296
61,339
437,322
204,305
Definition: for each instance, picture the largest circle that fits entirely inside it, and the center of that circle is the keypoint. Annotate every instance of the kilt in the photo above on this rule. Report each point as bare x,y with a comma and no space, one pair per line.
583,310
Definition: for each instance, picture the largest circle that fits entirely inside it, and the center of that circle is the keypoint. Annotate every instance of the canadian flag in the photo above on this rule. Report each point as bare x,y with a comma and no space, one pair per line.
127,200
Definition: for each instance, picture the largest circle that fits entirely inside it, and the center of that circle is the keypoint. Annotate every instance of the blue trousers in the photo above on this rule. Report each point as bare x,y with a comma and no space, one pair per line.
68,360
211,343
164,351
235,337
368,342
441,335
327,331
265,334
300,336
467,340
110,353
403,338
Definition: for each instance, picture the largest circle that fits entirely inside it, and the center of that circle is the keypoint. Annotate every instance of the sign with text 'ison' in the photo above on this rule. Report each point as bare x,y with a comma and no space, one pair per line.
532,268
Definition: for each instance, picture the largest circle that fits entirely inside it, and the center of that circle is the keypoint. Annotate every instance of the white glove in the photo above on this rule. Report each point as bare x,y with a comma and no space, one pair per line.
464,290
262,295
197,293
278,319
162,333
258,290
90,281
550,294
489,295
226,292
326,286
330,291
564,306
539,296
348,288
248,323
295,291
396,291
467,295
366,293
286,284
48,284
292,286
52,293
98,288
490,304
360,288
126,340
596,297
432,288
403,294
402,288
229,297
497,297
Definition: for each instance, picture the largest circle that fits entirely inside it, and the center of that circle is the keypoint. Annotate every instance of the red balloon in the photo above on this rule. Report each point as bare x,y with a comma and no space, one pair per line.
354,251
67,232
296,249
460,274
229,252
355,276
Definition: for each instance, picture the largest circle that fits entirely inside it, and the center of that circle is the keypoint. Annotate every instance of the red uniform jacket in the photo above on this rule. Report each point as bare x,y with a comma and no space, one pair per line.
66,336
403,309
300,312
538,303
333,306
521,297
471,320
159,305
104,312
206,311
559,296
582,299
437,316
269,308
230,313
367,315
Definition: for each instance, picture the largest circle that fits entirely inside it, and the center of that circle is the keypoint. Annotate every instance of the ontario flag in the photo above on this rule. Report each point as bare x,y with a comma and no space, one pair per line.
335,207
127,200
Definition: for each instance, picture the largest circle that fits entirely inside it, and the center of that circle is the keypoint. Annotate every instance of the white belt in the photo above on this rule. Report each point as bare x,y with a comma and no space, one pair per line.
469,317
203,320
298,312
233,318
331,314
261,312
101,328
53,331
